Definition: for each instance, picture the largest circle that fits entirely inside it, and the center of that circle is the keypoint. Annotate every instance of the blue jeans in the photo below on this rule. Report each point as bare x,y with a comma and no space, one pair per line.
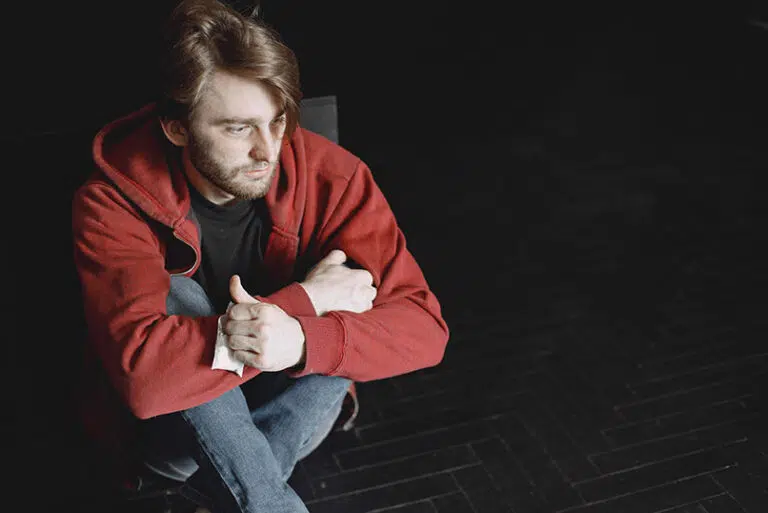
236,452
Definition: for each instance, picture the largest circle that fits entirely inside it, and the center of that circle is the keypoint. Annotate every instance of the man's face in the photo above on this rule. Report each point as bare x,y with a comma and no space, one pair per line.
234,137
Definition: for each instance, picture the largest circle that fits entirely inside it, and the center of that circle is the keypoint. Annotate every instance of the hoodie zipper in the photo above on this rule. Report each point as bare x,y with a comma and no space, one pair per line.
194,249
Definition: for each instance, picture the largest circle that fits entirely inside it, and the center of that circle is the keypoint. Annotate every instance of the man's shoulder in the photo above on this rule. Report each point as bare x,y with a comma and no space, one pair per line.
325,158
94,184
98,194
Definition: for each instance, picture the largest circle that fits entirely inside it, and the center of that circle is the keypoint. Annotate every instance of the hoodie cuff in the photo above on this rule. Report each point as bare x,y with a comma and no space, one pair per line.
293,299
325,341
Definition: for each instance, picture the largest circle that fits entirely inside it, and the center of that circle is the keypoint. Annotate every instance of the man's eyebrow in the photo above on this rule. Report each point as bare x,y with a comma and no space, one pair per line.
235,120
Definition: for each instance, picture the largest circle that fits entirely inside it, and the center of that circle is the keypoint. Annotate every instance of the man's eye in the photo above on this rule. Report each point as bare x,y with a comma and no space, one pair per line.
237,129
279,121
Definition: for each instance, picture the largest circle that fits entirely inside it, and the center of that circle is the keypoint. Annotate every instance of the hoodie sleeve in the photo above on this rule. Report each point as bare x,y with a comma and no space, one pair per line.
404,331
158,363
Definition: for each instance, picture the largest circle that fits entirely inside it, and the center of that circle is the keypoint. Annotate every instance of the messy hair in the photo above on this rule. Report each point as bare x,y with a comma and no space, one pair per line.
205,36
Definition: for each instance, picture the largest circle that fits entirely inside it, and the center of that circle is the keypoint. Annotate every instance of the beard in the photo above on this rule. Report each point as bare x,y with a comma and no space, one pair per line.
229,179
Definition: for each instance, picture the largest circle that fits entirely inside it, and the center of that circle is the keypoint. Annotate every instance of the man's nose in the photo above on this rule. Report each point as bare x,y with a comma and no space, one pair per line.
262,146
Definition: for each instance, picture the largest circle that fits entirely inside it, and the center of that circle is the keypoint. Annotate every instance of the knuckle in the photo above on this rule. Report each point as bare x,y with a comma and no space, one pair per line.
249,358
255,360
235,342
269,312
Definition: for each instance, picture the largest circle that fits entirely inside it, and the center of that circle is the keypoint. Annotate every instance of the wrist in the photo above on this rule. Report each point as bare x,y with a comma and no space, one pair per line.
302,358
303,349
313,298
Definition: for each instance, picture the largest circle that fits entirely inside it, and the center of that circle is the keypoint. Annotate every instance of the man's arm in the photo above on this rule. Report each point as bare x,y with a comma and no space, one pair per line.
330,285
156,362
404,331
264,336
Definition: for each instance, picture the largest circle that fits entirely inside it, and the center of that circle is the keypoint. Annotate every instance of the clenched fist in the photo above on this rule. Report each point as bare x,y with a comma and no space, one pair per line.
331,285
261,335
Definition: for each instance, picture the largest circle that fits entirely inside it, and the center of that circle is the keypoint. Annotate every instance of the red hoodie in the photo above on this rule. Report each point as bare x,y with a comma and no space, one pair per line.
133,229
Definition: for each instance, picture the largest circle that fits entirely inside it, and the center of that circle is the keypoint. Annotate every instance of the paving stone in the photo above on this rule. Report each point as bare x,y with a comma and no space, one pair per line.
665,448
507,473
414,507
547,479
408,468
387,496
452,503
747,482
677,423
458,412
699,377
655,474
737,386
480,490
721,504
728,347
416,444
658,499
461,392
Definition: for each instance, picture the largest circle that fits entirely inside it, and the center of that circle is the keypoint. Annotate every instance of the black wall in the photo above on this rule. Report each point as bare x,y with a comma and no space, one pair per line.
76,65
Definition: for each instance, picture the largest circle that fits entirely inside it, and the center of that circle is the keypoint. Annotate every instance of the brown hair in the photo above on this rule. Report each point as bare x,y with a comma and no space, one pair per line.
204,36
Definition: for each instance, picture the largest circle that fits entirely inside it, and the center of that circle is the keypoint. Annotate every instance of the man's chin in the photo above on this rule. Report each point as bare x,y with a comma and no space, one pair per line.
252,189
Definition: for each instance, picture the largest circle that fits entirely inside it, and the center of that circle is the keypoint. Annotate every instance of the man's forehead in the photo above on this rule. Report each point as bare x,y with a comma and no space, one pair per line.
229,95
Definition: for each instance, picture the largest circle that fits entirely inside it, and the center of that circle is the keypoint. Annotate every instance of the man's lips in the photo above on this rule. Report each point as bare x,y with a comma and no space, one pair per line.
258,170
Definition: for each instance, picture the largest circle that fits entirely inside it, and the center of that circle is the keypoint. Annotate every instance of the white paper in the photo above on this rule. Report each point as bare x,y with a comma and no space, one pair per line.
223,356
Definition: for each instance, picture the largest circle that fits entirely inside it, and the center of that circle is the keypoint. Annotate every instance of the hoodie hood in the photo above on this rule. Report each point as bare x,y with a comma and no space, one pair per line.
135,155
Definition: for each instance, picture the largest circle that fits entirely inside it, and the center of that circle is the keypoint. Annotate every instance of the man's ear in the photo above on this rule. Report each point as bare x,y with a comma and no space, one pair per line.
175,131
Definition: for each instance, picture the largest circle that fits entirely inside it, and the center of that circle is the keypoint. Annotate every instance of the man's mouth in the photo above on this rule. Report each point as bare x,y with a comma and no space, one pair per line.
258,169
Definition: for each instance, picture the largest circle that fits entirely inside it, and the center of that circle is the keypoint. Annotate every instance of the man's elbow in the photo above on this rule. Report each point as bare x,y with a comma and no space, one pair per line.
142,402
437,348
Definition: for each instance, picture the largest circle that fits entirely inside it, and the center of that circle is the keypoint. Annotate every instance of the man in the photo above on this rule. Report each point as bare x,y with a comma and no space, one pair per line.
239,273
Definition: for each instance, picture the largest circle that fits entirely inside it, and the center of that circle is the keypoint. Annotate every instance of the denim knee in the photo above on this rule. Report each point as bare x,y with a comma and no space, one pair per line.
187,297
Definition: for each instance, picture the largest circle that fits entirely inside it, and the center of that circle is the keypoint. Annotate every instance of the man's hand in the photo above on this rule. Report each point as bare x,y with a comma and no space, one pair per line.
261,335
331,285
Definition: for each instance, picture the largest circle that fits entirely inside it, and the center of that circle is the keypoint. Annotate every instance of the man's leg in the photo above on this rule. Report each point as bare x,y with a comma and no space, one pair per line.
237,469
298,420
245,454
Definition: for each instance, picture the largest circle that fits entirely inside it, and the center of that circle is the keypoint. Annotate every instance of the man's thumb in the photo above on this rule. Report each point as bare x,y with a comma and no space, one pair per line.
335,257
238,293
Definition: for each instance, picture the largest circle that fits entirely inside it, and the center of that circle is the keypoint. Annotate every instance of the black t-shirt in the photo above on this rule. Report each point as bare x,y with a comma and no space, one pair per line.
233,240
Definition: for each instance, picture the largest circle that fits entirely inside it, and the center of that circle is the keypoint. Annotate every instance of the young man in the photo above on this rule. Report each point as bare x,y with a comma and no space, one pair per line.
239,273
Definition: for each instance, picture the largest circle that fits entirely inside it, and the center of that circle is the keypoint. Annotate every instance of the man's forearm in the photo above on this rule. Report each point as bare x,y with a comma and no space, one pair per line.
292,299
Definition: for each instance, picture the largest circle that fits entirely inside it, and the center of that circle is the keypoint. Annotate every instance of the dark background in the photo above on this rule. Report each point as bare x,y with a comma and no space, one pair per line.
641,121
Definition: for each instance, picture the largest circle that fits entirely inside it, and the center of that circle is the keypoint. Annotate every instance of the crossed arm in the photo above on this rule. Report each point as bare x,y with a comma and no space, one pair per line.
160,363
265,337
